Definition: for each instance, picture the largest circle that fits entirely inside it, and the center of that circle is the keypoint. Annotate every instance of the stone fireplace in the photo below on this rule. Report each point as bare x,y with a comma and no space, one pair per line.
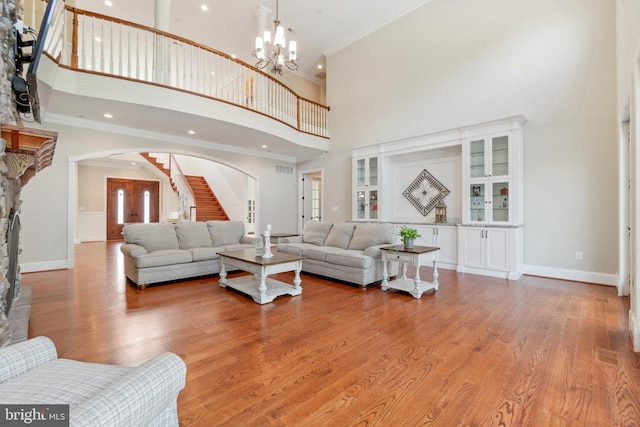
23,153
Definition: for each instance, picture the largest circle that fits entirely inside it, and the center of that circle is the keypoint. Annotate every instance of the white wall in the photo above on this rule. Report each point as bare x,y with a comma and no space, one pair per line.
459,62
91,217
48,201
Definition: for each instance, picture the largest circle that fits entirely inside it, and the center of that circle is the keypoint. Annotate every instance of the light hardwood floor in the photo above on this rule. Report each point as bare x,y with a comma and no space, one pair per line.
478,352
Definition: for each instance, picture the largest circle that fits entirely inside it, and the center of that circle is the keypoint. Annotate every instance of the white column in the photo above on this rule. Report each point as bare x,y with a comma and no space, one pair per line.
162,22
162,18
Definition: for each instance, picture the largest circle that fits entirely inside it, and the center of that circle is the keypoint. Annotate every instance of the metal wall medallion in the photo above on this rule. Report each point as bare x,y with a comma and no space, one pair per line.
425,192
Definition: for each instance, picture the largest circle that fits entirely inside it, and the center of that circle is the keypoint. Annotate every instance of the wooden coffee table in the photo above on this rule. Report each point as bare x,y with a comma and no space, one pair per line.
416,256
260,287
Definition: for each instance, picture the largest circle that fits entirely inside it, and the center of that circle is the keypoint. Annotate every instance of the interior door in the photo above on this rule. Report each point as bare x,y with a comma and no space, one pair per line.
130,201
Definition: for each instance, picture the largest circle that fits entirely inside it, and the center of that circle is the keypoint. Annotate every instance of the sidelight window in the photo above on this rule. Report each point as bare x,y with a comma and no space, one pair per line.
120,207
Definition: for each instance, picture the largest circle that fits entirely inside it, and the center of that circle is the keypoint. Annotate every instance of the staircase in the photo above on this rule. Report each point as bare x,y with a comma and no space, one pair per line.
207,205
195,188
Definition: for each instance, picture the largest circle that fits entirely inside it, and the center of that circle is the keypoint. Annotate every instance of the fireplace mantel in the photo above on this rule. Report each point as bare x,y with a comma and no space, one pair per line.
28,151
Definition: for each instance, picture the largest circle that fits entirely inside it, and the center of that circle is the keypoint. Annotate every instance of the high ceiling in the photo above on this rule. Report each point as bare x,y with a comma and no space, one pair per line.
319,27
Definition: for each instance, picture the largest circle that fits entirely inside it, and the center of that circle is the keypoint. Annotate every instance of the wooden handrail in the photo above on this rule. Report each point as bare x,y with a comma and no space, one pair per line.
266,95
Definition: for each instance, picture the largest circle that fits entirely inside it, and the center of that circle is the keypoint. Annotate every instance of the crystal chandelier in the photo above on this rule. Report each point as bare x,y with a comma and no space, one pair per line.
274,53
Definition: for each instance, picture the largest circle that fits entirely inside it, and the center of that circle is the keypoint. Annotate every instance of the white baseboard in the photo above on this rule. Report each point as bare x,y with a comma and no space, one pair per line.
574,275
634,333
32,267
85,239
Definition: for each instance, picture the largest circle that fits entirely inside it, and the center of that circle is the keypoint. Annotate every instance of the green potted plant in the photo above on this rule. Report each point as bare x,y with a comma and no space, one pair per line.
408,236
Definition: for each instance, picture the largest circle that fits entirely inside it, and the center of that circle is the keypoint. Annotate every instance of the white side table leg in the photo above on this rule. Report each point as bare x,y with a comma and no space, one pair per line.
385,276
296,279
435,274
263,286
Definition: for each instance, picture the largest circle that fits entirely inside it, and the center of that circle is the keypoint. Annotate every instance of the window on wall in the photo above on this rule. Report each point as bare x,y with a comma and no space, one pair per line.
315,200
120,207
251,212
147,206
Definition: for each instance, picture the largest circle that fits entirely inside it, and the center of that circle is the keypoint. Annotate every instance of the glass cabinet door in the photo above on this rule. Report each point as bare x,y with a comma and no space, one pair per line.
500,201
373,204
477,203
373,171
500,156
360,173
367,204
476,159
361,204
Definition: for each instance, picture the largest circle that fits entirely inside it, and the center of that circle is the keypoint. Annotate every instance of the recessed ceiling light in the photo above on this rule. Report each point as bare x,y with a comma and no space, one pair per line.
319,66
233,55
191,132
108,116
108,3
133,163
264,145
204,7
98,39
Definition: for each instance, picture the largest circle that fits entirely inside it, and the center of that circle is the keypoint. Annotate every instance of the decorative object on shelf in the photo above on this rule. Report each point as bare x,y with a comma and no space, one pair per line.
425,192
274,53
267,243
408,236
441,212
504,191
476,191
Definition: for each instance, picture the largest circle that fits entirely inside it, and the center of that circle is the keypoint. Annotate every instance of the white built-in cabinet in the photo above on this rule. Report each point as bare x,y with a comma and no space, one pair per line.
488,239
441,236
490,236
366,175
492,176
491,251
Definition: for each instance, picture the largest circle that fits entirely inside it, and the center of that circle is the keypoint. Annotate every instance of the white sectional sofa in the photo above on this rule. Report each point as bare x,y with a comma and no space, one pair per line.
344,251
161,252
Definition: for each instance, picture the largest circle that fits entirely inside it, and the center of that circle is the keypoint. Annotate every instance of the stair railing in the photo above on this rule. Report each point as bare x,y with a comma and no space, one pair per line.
185,193
180,184
109,46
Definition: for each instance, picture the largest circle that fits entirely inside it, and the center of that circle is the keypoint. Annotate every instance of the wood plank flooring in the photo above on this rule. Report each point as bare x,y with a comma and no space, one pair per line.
478,352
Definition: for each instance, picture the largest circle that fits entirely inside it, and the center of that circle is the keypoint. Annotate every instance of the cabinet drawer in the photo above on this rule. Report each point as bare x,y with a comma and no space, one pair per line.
399,257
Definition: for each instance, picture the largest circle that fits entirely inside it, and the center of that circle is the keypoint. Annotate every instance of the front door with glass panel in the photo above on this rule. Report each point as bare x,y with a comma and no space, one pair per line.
130,201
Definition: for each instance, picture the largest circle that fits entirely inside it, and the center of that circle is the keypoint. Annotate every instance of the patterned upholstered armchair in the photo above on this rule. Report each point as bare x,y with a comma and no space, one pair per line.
97,394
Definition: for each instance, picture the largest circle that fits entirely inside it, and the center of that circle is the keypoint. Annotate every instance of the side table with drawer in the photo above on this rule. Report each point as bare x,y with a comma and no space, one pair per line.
415,256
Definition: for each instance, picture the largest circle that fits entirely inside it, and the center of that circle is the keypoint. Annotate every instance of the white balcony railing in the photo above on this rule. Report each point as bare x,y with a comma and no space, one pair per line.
90,42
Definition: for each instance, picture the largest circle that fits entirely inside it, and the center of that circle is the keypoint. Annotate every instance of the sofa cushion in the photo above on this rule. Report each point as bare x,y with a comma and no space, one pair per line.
193,235
163,257
349,258
366,235
225,232
340,235
317,253
204,254
316,232
152,237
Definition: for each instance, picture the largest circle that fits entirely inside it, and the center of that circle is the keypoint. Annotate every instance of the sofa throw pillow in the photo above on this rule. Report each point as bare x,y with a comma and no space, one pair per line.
152,237
340,235
225,232
316,232
193,235
366,235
